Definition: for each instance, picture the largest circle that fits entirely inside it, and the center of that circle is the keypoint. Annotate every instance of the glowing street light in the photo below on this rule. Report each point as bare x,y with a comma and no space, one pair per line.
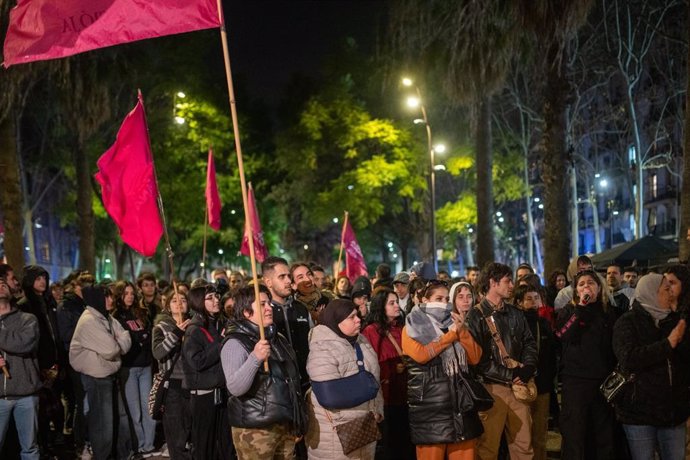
179,120
413,102
181,95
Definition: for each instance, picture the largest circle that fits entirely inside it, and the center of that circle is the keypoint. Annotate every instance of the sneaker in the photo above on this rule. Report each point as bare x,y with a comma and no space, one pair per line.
164,451
150,453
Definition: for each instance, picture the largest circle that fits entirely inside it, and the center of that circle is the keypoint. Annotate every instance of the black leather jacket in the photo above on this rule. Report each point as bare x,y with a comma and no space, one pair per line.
516,336
292,320
274,397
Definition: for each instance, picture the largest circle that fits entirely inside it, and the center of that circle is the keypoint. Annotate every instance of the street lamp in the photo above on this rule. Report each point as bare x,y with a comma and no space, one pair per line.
414,102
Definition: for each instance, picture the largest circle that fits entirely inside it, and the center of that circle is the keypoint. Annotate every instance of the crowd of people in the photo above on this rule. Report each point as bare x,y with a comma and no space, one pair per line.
417,364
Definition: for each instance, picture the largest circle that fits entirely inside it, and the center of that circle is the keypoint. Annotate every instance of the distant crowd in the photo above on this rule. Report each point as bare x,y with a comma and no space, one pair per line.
400,366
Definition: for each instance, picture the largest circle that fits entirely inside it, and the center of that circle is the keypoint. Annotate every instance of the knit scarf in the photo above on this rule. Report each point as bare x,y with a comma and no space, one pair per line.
426,323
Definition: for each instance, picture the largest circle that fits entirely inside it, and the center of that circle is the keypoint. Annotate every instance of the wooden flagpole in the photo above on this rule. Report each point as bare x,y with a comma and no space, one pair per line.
203,253
342,242
240,165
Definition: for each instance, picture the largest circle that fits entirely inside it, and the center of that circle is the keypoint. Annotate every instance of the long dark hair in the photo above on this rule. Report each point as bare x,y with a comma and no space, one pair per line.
139,312
682,272
377,311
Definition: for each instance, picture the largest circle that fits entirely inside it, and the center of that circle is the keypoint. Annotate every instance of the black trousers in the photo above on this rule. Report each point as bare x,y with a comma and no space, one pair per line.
211,437
177,421
586,421
395,430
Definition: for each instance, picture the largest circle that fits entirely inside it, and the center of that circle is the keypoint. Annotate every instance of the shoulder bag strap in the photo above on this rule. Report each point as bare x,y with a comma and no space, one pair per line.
395,344
495,335
360,357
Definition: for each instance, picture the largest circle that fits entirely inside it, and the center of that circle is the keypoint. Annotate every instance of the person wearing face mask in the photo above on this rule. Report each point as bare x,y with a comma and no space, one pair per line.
584,328
440,348
650,341
528,299
168,330
334,346
203,376
265,409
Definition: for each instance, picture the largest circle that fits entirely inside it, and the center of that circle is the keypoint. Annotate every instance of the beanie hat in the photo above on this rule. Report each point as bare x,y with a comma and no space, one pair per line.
362,286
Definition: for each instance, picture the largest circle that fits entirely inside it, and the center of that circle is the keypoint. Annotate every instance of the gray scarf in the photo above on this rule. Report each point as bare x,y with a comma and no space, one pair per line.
425,324
645,294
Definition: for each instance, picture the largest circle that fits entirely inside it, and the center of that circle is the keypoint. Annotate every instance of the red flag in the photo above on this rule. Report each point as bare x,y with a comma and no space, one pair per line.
259,245
50,29
354,260
212,197
128,184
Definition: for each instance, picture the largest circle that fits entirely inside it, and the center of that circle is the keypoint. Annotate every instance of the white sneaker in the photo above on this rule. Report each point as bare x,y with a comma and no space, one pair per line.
164,451
86,453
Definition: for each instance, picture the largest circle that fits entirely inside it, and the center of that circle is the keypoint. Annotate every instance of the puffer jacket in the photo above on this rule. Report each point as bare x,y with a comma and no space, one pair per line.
332,357
516,337
659,394
19,345
98,344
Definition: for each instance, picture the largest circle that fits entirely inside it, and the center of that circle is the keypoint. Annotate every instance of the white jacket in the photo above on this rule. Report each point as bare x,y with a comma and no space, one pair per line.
332,357
97,344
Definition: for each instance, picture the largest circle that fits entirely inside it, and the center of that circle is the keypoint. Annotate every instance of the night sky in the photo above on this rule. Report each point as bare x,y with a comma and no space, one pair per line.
271,40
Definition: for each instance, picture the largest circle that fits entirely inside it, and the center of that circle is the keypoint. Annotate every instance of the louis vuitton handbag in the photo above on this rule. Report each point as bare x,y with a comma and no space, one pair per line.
356,433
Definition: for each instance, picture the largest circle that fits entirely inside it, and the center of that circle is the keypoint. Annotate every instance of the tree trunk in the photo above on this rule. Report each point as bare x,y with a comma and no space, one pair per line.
485,194
555,165
11,196
85,216
684,237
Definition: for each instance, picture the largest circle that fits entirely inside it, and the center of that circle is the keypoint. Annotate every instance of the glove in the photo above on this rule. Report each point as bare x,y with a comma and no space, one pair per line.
524,373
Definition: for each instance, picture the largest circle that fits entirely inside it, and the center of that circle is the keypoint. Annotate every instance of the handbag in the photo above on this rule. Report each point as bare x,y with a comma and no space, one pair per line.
477,397
526,393
356,433
349,391
614,383
159,388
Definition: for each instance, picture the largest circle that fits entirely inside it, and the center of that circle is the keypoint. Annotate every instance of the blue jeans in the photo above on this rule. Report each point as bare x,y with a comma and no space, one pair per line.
100,419
138,382
644,438
25,413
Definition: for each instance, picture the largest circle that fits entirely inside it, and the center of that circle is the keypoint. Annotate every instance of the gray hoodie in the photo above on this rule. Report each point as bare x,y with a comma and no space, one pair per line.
19,346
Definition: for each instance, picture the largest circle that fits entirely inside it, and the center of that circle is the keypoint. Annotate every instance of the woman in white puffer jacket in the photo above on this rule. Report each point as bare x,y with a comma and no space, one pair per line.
332,356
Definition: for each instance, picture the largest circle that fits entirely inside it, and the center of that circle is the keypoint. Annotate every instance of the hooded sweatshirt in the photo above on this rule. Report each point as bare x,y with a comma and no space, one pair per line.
98,341
18,345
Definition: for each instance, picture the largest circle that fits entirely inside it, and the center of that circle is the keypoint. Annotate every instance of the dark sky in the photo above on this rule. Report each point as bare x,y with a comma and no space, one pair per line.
270,40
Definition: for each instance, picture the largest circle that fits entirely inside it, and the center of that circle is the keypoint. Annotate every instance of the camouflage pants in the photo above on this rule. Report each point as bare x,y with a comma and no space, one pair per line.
272,443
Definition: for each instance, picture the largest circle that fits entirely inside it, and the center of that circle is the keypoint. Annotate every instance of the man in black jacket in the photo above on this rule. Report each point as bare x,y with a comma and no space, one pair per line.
498,373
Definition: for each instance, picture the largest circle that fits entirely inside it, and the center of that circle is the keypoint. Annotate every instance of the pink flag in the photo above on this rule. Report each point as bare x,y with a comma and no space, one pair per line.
212,197
354,260
50,29
128,184
259,245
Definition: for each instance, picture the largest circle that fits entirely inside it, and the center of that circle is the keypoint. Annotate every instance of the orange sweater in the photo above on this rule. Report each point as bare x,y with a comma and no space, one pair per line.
425,353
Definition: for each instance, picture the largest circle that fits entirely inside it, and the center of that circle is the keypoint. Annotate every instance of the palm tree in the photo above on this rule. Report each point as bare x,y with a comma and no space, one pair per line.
470,44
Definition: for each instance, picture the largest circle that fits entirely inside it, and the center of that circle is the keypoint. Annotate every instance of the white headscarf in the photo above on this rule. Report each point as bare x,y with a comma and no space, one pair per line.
646,295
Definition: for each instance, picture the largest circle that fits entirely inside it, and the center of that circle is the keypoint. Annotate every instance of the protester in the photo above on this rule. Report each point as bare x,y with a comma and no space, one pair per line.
51,357
203,376
384,332
500,372
678,277
334,345
361,291
440,348
7,273
401,285
95,352
584,328
462,298
342,287
292,319
577,265
168,330
19,337
266,408
557,281
620,292
651,342
135,372
630,276
318,276
472,275
528,299
523,269
150,300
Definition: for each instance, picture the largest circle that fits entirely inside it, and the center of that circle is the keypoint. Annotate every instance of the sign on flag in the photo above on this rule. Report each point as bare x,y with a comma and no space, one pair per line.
212,197
354,260
128,184
51,29
259,245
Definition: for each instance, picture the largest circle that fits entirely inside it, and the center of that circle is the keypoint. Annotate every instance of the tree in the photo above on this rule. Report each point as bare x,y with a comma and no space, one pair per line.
684,243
